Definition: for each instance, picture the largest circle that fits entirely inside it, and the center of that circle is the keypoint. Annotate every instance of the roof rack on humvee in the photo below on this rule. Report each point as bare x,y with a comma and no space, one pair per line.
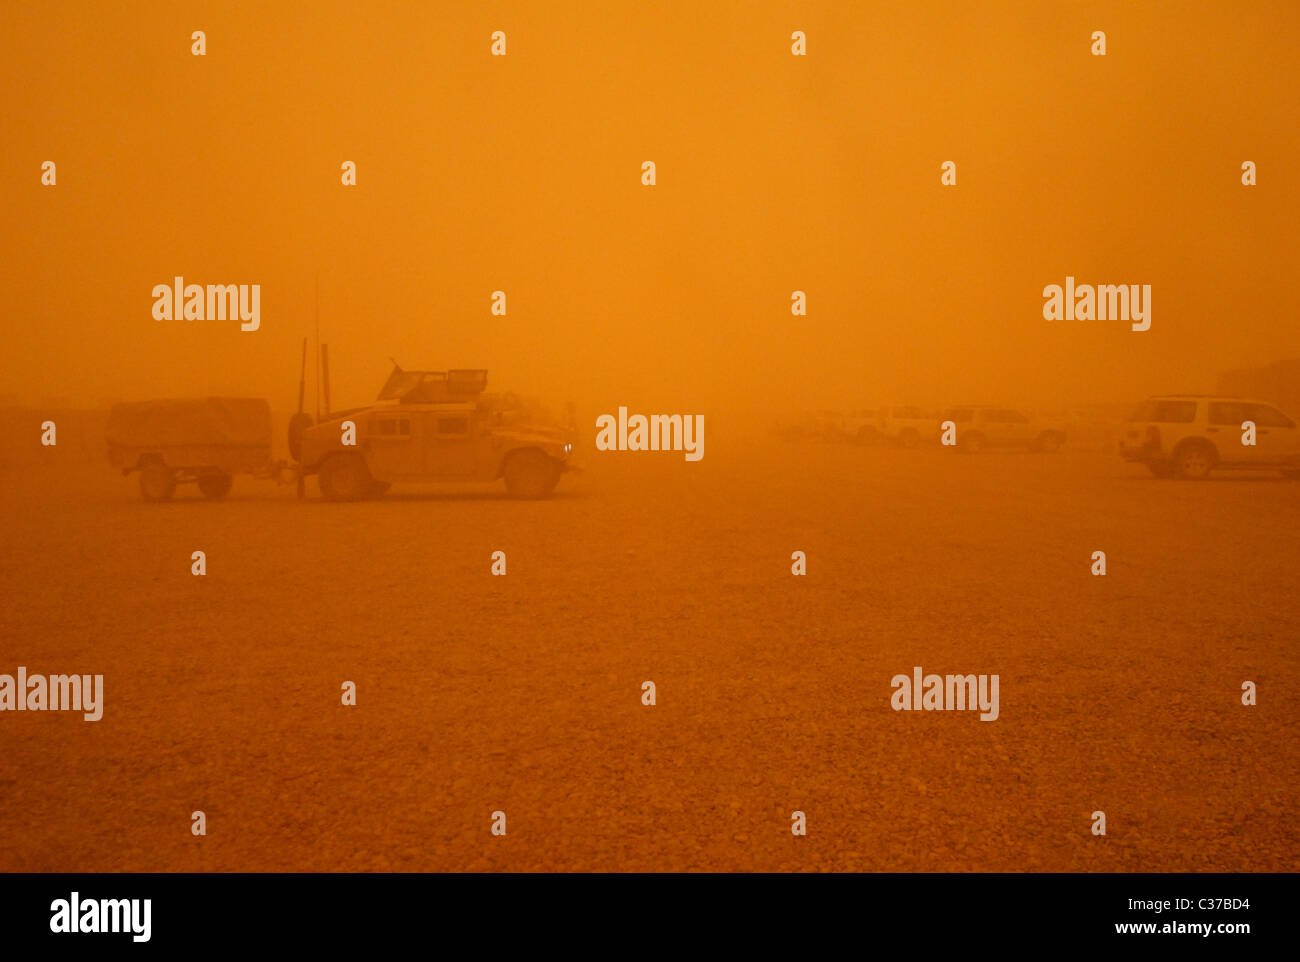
432,387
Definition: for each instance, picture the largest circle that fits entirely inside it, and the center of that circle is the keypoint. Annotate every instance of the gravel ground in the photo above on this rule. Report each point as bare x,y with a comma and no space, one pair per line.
522,694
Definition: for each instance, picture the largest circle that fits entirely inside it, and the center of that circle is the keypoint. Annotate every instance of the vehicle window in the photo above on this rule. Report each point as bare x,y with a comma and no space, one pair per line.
958,414
1265,416
1165,412
1006,416
453,426
390,427
1227,412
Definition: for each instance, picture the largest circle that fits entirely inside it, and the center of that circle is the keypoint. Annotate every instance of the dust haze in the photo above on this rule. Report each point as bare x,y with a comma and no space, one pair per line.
775,174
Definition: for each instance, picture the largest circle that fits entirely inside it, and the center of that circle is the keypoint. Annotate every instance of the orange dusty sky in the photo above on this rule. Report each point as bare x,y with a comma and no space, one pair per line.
775,173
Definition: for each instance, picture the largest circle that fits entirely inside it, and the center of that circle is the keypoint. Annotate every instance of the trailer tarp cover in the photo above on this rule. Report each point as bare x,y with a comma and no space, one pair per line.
231,421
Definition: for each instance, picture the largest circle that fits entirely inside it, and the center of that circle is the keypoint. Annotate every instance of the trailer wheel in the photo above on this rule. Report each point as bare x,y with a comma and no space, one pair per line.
157,483
215,484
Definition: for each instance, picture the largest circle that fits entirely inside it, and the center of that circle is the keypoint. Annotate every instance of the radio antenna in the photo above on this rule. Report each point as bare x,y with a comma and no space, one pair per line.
318,345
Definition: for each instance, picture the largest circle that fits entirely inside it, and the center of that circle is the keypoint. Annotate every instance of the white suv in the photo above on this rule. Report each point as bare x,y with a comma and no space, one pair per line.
908,425
1189,435
981,426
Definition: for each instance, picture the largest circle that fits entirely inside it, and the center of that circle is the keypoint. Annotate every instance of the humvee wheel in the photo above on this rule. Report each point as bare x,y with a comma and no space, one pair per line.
530,474
344,477
215,484
157,483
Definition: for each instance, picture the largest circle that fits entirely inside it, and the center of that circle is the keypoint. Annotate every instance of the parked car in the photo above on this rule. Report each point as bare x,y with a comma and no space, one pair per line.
1190,435
908,425
981,426
863,425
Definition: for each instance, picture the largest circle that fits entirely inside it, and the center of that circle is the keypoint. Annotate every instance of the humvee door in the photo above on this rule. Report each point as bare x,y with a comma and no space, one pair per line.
453,448
393,447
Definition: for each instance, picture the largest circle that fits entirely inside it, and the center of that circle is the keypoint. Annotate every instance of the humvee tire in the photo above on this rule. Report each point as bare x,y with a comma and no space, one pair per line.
215,484
530,474
157,483
344,477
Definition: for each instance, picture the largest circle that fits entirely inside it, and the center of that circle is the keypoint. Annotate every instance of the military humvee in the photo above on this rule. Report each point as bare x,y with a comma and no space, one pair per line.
431,426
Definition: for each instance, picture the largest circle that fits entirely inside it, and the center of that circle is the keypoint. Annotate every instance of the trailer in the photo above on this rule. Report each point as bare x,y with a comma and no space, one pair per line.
206,441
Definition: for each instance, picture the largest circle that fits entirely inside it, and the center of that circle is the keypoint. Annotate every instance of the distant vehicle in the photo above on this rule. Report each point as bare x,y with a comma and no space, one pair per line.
815,426
1095,427
431,426
202,440
826,425
908,425
862,426
1190,435
981,426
